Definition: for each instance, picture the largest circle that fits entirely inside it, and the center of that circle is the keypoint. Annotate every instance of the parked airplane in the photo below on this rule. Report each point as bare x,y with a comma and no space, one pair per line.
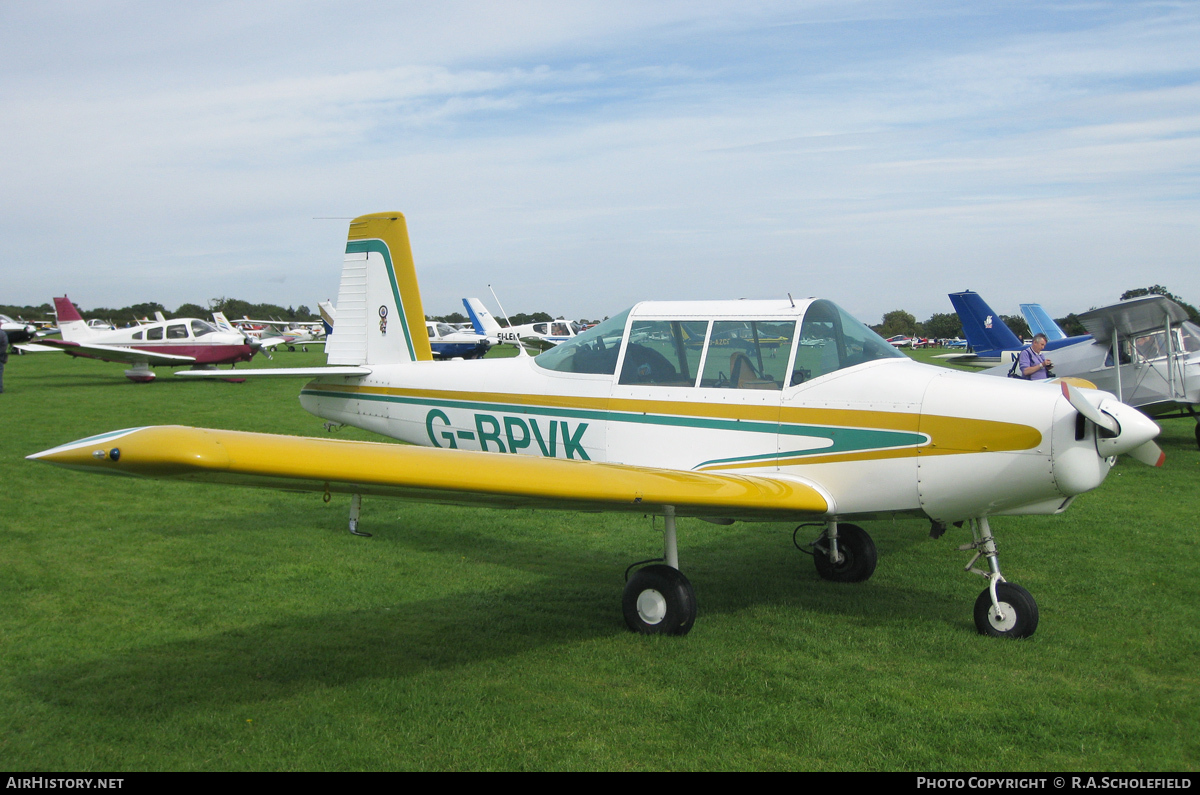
1155,349
1040,322
327,313
445,341
540,335
273,333
989,340
842,427
17,330
173,343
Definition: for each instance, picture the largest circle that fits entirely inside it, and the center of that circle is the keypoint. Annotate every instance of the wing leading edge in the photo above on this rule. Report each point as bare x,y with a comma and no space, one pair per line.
431,474
114,353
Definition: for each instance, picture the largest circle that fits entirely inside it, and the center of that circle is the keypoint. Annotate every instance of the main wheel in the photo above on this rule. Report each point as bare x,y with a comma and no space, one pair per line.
1020,612
659,600
859,556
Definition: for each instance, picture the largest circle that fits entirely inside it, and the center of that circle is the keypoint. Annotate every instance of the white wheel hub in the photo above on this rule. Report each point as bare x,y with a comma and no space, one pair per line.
651,606
1008,622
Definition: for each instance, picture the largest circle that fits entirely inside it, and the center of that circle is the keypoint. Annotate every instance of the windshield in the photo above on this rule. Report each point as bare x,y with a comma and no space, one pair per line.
593,351
200,328
831,339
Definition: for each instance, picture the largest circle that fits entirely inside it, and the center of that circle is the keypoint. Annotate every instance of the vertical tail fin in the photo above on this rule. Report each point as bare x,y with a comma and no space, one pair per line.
328,316
380,319
481,319
70,322
222,322
983,328
1040,322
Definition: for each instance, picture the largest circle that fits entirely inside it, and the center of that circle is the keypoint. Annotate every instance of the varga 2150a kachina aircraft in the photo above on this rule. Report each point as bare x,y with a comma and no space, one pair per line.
826,424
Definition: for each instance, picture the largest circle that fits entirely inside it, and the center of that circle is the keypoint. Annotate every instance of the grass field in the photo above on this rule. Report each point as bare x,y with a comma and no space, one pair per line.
164,626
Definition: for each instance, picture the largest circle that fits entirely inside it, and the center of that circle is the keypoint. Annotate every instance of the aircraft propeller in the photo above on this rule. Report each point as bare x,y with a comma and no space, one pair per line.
1120,428
256,345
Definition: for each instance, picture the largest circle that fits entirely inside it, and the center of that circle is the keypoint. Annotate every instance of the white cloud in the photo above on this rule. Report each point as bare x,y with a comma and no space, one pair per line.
594,154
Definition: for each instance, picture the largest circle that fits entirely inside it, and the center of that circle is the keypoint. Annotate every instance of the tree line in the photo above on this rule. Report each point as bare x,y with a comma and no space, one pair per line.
233,308
940,325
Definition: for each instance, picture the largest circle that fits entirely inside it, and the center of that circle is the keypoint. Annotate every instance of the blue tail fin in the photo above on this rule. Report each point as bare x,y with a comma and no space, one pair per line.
1040,322
985,331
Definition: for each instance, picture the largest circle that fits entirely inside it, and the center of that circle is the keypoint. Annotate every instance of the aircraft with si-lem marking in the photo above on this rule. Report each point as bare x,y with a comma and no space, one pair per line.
540,335
827,423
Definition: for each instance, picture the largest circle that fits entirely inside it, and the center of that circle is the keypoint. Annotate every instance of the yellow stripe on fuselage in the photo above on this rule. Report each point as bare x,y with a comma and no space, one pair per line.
948,435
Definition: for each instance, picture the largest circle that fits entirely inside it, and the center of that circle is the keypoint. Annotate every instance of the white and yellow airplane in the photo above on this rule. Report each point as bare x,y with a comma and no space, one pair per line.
829,425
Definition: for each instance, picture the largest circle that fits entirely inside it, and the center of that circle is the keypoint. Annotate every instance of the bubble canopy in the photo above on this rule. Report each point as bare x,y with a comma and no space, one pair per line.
721,344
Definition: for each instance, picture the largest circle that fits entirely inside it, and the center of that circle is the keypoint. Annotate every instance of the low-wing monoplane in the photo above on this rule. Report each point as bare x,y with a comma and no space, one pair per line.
831,425
541,335
1143,350
17,330
445,341
989,339
181,342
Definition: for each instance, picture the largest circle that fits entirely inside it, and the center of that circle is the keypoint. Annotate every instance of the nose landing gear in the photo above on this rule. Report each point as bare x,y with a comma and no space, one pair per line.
1004,609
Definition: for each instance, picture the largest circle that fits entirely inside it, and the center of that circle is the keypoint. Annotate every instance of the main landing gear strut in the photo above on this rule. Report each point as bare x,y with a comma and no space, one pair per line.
844,553
658,599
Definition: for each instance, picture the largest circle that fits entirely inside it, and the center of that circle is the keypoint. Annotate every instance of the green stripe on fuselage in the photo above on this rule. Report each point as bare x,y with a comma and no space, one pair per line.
844,440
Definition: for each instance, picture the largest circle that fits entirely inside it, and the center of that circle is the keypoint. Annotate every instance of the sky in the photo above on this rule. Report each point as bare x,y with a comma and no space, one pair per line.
579,157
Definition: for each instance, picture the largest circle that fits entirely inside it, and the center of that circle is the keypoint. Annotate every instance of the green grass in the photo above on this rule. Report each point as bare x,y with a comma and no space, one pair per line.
166,626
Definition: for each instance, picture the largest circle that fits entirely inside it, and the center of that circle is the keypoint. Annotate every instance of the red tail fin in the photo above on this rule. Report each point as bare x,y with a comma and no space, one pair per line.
66,310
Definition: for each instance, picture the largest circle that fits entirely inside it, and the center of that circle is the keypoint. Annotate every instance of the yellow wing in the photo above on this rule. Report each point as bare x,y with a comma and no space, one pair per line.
430,474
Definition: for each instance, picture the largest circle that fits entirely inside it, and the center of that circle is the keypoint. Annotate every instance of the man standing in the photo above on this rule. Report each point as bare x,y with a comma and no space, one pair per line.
3,356
1032,363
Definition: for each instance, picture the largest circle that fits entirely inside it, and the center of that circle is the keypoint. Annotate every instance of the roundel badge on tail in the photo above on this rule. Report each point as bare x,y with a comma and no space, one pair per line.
383,320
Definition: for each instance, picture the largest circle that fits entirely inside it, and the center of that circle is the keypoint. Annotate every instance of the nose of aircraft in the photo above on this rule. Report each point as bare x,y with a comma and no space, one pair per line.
1120,428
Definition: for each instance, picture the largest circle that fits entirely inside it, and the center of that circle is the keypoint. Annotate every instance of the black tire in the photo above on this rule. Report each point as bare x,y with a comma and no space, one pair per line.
659,600
1198,433
1020,612
859,556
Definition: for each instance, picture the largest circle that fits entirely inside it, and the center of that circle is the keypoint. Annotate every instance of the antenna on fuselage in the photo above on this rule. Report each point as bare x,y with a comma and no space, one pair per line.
502,312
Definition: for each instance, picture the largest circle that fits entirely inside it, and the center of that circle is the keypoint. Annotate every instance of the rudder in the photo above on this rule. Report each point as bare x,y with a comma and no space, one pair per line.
380,319
70,322
983,328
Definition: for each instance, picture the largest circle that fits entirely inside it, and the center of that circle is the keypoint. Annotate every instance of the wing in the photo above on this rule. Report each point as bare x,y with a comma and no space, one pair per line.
279,372
432,474
969,359
1132,317
114,353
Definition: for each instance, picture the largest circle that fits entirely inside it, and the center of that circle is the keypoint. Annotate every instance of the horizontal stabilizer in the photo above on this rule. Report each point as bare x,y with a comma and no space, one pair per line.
37,347
279,372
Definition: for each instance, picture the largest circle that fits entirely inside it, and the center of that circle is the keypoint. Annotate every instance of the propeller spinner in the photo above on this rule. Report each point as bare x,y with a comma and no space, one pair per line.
1120,428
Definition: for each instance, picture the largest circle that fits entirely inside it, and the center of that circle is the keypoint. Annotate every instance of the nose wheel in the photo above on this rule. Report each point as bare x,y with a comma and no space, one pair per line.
1013,613
1004,609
